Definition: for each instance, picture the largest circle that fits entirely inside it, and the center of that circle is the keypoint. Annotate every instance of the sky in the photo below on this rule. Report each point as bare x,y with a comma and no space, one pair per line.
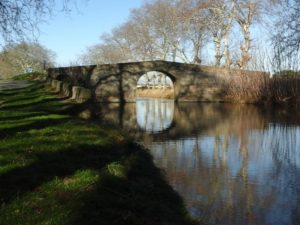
68,35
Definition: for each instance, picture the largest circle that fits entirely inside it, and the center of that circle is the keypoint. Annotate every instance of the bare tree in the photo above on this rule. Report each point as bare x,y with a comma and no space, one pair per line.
221,17
287,35
138,33
213,19
152,32
194,25
160,29
165,21
25,57
20,19
246,13
179,30
104,53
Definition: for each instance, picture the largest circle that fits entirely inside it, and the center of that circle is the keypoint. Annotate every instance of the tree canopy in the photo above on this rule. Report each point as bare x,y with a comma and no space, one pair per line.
24,57
183,30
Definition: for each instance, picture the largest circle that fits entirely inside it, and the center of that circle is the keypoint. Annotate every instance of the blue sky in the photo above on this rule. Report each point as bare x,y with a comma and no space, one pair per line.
68,35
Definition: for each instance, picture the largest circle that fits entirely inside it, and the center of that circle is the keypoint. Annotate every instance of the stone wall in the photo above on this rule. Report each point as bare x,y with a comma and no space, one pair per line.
117,82
76,93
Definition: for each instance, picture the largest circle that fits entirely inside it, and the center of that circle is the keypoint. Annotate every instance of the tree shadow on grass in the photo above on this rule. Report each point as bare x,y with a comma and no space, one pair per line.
18,99
24,116
28,105
29,89
129,188
143,197
5,132
49,165
140,196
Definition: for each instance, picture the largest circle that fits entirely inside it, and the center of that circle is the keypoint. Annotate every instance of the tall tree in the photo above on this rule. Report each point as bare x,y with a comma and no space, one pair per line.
221,18
194,26
163,16
180,30
246,13
20,58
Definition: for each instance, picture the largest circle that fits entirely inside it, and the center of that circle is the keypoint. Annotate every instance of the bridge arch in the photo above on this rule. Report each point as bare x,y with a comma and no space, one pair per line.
155,84
166,73
117,82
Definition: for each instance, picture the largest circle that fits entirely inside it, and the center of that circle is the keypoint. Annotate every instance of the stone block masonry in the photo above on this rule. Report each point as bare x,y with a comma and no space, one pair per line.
80,94
118,82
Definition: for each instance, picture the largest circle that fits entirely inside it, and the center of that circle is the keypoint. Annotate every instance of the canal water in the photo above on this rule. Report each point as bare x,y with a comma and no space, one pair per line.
231,163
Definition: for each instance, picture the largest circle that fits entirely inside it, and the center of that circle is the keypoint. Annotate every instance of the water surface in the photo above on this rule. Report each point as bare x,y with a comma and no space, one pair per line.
232,164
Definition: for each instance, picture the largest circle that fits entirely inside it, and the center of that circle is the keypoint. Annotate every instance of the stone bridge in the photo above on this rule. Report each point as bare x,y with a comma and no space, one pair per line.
118,82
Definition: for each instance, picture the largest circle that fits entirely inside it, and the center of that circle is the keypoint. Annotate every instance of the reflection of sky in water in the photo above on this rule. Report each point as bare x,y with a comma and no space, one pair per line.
263,174
154,115
232,164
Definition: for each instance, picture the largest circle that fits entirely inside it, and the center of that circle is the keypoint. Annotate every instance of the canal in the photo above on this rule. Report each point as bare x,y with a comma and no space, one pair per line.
231,163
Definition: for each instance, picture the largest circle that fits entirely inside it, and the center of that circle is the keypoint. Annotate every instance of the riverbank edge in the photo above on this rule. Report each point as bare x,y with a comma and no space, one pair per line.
243,90
66,175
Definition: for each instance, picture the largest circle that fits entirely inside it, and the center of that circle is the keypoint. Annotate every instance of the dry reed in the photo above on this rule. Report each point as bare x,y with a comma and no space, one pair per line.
155,92
260,88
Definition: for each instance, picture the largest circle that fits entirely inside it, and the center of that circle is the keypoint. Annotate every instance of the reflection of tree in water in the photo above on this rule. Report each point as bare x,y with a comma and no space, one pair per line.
239,172
209,189
233,164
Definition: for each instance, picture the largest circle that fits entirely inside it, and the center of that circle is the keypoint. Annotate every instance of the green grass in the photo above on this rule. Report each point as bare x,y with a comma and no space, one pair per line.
59,169
29,76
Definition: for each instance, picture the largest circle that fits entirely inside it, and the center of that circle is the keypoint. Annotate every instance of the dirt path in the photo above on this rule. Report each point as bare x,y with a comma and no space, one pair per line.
12,84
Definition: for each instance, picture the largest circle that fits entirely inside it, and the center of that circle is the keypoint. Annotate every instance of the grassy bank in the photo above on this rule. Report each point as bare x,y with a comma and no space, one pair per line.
58,169
30,76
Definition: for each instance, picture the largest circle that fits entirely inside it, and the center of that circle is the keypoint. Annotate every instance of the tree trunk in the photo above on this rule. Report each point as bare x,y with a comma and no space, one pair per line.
226,51
196,59
245,47
218,55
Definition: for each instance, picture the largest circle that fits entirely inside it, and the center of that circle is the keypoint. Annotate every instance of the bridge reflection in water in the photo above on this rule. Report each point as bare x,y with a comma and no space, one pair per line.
154,115
232,164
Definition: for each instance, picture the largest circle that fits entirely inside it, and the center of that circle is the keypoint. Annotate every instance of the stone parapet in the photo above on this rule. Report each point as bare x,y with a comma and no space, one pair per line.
118,82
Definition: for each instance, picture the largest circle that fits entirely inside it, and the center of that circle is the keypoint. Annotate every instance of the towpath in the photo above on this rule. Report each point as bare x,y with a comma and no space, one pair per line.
12,84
